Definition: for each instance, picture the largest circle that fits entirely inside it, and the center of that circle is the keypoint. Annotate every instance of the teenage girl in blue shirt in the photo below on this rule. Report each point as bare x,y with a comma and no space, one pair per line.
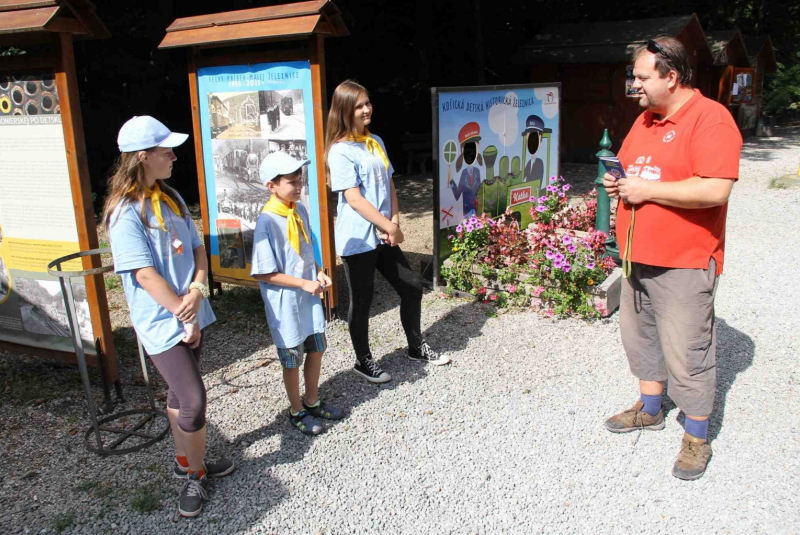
367,229
163,266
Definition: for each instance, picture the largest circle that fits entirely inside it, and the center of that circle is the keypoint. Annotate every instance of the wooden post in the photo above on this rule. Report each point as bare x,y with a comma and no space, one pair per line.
72,122
201,172
317,54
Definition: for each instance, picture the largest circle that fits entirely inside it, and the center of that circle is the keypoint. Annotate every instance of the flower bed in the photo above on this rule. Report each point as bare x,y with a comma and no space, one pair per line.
563,271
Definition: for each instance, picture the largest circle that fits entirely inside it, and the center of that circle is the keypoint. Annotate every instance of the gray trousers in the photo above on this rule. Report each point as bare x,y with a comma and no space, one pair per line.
668,329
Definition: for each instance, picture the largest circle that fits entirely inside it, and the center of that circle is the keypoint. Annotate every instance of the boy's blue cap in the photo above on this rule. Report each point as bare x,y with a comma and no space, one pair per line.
279,163
144,132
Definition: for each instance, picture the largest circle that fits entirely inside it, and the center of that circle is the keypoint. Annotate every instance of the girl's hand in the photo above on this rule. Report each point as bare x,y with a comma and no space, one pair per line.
395,236
324,280
190,306
192,335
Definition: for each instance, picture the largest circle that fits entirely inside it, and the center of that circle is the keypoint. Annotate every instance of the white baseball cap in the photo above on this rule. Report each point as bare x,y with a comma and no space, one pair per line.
279,163
143,132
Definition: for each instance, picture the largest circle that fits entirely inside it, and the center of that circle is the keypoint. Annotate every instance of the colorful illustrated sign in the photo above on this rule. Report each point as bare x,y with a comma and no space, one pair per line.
246,113
496,148
37,217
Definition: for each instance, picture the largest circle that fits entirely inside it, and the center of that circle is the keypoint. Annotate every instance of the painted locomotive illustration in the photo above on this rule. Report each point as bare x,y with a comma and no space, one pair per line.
514,182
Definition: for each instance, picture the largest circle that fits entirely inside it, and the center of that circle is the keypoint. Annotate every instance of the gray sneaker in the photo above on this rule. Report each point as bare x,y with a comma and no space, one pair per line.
193,494
215,467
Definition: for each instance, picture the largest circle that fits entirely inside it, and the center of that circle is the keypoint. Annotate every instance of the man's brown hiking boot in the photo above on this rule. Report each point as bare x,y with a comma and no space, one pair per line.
633,419
693,458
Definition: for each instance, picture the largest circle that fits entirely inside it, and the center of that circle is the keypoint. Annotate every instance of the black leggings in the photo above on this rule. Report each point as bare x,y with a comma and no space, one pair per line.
179,366
360,271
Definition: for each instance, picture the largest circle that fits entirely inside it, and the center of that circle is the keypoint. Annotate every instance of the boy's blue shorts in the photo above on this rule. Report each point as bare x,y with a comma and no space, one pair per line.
293,357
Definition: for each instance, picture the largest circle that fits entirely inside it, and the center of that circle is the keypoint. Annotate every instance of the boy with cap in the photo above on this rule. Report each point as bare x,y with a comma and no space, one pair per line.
284,265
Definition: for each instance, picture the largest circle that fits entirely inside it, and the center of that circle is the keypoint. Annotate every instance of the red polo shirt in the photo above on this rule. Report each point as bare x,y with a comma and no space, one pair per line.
700,139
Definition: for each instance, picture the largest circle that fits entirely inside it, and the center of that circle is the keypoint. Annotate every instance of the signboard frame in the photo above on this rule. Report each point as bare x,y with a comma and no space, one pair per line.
437,93
251,82
271,34
59,58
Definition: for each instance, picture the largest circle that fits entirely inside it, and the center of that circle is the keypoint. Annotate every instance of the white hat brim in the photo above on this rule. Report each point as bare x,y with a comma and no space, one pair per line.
173,140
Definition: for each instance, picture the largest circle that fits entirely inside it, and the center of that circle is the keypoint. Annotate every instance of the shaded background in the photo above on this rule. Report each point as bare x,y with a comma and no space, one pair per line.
397,49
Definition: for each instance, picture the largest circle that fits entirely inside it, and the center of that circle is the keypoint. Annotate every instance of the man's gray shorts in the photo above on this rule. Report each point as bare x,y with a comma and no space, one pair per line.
666,320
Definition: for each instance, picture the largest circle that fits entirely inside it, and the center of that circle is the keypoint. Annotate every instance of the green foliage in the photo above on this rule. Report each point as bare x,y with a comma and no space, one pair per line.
146,501
86,486
783,93
112,282
62,522
11,51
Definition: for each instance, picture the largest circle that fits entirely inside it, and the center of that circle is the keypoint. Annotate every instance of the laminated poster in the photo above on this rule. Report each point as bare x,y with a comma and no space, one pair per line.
246,113
37,217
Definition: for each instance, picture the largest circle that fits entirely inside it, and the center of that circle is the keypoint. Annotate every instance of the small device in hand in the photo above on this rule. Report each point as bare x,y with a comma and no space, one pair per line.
613,167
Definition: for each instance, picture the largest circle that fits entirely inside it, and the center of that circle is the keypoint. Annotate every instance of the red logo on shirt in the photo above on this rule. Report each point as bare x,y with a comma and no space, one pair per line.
670,136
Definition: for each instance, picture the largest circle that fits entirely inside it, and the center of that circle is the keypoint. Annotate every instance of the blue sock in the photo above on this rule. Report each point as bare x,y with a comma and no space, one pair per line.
696,428
652,404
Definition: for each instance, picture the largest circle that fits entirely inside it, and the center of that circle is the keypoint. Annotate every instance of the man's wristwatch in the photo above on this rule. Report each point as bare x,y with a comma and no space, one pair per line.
200,288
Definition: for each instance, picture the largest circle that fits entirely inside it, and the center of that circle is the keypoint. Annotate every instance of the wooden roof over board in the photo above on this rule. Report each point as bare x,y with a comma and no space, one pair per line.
286,21
607,42
25,22
760,46
728,47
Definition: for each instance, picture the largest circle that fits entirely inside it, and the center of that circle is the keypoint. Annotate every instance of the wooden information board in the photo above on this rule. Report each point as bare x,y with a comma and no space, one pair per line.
46,206
257,82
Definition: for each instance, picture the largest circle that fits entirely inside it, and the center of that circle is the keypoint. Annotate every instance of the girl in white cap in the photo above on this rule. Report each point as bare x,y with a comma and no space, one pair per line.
163,266
368,228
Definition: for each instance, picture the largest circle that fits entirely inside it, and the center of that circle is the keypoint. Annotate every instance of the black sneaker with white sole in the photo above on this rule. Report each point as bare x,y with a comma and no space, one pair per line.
369,370
426,353
193,494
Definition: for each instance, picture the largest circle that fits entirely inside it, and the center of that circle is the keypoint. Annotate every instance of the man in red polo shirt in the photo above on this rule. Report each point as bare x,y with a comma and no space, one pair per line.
682,158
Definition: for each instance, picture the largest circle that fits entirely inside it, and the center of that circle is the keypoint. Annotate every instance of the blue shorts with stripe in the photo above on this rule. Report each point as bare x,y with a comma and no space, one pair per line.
293,357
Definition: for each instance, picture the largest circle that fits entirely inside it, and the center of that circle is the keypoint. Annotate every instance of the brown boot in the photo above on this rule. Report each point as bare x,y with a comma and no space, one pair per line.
693,458
633,419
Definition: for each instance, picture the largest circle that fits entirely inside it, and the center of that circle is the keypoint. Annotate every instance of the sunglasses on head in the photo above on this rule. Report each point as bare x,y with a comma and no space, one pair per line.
655,48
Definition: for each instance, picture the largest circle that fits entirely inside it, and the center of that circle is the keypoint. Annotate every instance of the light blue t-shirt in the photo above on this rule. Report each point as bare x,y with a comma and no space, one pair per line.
292,314
135,246
352,165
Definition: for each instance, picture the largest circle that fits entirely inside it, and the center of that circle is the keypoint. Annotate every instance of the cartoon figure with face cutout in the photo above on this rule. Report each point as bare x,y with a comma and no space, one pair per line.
534,170
470,179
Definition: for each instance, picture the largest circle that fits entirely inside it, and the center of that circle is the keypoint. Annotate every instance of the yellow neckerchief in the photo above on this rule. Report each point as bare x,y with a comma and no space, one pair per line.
373,146
293,220
156,196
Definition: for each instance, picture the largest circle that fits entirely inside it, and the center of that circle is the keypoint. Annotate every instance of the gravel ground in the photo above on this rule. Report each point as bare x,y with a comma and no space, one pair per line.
508,439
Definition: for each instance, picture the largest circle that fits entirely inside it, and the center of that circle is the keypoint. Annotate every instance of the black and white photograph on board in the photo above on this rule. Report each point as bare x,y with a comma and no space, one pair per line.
44,312
282,114
234,115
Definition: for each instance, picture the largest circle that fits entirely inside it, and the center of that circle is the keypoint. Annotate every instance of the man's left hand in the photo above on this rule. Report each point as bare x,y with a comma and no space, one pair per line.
634,190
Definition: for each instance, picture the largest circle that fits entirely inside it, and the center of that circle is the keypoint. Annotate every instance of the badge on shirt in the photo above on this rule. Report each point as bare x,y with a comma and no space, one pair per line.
177,245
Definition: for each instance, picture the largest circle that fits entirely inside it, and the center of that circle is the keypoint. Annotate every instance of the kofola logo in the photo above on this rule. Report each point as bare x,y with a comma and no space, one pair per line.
670,136
520,195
